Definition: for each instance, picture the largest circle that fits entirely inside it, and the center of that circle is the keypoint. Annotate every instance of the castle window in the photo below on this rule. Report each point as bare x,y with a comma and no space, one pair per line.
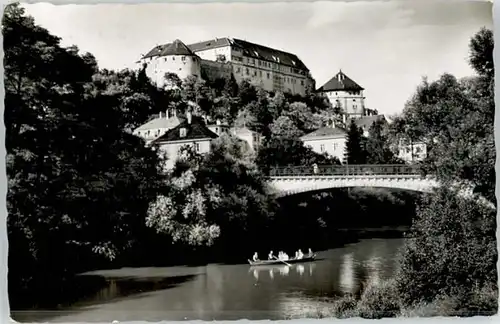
301,82
173,58
260,74
268,75
238,70
183,58
254,73
165,59
182,132
354,100
248,71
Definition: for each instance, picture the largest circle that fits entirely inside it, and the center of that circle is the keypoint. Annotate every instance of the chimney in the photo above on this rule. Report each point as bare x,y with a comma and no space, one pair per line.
167,114
189,117
160,114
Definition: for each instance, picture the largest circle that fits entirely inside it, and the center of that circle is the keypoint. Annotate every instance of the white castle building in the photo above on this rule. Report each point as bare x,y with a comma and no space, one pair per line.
265,67
344,93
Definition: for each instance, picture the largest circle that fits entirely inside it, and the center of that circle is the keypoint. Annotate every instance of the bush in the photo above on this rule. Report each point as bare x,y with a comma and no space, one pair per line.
451,251
378,301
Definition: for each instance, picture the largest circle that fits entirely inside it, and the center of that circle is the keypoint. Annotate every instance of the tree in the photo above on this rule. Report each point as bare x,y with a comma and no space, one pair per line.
212,199
481,53
301,115
78,183
197,92
450,252
455,119
260,111
284,127
354,149
377,145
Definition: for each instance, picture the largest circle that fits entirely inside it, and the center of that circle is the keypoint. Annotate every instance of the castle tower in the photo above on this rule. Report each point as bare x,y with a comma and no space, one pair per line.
346,94
174,58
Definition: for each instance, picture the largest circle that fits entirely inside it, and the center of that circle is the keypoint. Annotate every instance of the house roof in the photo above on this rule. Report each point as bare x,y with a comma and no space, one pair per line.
176,48
326,132
367,121
341,82
249,49
194,130
161,122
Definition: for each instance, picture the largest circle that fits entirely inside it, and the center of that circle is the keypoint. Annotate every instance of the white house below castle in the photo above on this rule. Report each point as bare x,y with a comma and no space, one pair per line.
265,67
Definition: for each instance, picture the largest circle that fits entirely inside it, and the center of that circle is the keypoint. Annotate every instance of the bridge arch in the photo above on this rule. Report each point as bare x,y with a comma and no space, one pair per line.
294,180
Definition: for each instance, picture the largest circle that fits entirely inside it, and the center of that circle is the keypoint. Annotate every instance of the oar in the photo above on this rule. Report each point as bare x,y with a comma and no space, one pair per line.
288,264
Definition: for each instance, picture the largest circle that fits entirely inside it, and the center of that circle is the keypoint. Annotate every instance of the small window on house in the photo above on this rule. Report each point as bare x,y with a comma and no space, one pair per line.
183,58
335,146
322,147
197,147
173,58
182,132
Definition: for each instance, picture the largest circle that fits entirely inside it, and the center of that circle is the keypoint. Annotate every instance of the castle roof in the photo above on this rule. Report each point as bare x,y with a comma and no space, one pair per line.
335,132
196,130
249,49
176,48
156,51
341,82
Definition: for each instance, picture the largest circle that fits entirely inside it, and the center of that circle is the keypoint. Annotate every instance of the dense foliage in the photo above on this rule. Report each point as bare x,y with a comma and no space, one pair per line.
79,185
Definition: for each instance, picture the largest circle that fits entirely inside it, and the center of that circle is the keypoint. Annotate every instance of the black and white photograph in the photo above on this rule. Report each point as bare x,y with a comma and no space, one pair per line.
250,160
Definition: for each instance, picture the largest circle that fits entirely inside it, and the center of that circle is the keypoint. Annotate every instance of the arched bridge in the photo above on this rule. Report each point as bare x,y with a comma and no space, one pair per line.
297,179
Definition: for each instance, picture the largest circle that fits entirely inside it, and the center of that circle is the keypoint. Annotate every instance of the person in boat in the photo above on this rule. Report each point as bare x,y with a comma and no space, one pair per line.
285,256
296,254
271,256
300,255
255,257
310,252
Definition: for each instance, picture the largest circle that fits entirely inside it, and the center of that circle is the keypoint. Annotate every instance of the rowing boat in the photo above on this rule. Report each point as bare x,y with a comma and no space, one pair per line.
307,258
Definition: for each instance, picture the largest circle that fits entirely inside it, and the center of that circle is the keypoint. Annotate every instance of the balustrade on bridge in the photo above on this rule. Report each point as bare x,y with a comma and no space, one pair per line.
345,170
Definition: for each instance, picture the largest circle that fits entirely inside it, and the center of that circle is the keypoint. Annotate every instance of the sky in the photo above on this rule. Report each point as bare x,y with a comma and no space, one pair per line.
385,46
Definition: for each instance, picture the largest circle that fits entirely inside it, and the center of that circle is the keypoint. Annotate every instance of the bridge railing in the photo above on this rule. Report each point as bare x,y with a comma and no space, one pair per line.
346,170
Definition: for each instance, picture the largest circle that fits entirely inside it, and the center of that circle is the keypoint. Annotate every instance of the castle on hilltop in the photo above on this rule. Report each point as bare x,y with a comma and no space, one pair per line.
265,67
271,69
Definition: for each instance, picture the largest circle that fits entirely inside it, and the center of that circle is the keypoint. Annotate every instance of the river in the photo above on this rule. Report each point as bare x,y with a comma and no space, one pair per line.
229,292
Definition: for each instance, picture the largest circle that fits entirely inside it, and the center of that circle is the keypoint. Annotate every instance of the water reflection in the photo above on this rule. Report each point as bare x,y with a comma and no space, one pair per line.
232,292
282,270
300,269
347,275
